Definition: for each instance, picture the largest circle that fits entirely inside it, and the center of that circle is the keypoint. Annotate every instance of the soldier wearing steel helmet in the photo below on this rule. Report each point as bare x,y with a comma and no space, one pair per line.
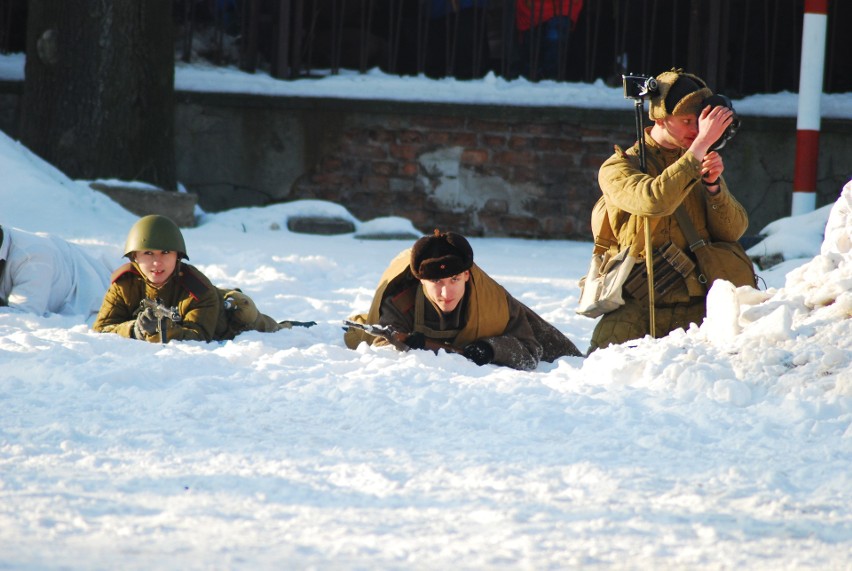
157,271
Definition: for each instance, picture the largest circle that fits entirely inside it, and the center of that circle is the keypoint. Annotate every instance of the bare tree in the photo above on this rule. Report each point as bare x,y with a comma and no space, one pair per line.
98,96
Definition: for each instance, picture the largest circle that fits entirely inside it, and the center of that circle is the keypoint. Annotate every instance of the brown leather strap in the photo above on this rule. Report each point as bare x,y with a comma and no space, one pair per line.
419,318
685,223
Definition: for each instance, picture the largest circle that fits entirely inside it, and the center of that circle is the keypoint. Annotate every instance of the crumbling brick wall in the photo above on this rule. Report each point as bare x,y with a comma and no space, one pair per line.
520,175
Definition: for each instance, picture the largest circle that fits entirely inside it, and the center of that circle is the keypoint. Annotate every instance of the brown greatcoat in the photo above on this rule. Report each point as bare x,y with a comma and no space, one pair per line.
673,178
519,337
199,303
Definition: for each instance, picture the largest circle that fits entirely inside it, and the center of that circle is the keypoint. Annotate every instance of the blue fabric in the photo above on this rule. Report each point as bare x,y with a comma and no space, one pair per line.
548,37
441,8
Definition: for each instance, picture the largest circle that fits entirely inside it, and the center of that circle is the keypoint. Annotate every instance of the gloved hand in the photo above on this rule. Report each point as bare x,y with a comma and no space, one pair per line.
288,324
146,324
416,341
241,310
479,352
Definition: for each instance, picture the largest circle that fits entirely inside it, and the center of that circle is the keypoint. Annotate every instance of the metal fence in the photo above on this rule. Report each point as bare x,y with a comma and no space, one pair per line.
739,46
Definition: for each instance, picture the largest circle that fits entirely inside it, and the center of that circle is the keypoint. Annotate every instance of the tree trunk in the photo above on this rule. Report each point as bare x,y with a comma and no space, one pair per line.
98,97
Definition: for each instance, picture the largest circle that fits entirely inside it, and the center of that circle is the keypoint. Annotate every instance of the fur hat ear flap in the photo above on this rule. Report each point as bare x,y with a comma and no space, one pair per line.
679,94
440,256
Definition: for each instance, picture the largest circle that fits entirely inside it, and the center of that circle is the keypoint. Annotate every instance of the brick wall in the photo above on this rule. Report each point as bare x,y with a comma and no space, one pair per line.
512,174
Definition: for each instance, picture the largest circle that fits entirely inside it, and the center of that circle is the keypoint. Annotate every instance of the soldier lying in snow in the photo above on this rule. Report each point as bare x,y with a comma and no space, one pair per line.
44,274
433,296
156,248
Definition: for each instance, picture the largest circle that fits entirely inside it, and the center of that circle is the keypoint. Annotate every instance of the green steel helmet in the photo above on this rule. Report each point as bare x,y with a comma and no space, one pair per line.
155,232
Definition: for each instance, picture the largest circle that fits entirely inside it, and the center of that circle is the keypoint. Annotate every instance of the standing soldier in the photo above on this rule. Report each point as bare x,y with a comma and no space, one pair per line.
681,170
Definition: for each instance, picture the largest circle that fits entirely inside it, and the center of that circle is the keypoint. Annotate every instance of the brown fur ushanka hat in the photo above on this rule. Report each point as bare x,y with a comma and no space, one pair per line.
679,94
440,256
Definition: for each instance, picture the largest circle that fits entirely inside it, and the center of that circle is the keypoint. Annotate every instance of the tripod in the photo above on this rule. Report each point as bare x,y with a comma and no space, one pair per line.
639,107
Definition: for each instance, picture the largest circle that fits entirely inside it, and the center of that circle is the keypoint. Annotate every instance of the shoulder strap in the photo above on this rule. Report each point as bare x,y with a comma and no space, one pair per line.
404,300
191,282
685,223
602,231
604,235
121,270
601,228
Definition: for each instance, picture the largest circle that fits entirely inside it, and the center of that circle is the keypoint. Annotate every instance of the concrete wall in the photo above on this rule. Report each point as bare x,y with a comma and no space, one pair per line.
477,169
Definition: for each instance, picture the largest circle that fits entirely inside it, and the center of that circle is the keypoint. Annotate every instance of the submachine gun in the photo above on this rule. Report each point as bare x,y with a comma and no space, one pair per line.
161,312
399,339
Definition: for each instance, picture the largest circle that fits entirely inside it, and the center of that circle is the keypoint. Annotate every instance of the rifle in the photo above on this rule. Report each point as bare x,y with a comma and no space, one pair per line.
156,308
395,337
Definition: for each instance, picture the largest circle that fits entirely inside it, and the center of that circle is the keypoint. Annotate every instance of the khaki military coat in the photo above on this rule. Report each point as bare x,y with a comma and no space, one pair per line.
199,303
519,337
633,197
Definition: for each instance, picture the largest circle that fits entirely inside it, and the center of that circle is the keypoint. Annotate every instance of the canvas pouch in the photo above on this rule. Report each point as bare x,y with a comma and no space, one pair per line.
601,289
724,261
717,260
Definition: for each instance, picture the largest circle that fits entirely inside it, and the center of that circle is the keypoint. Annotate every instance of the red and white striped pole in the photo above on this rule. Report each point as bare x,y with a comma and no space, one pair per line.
810,91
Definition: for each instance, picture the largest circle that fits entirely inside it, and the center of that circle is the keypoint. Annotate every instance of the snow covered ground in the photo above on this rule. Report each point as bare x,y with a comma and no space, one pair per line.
725,446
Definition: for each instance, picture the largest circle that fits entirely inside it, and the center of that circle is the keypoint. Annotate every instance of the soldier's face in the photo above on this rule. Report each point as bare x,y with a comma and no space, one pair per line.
680,130
156,265
446,293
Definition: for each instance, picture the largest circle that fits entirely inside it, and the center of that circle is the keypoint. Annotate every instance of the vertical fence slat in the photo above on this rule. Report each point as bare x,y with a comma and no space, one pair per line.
832,44
694,59
721,52
480,38
283,67
251,19
5,24
366,34
298,38
189,20
451,42
712,44
422,26
592,35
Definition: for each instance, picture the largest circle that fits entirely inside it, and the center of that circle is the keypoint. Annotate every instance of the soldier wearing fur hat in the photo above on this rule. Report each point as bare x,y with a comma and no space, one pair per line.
156,271
435,297
681,169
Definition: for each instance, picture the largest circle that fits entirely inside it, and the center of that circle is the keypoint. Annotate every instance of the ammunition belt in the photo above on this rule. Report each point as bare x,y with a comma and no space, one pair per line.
671,266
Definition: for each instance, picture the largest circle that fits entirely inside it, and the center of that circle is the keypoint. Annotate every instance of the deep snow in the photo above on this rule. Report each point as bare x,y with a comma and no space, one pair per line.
725,446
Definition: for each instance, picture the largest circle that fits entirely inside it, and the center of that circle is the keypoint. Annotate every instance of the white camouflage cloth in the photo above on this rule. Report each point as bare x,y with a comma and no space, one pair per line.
45,274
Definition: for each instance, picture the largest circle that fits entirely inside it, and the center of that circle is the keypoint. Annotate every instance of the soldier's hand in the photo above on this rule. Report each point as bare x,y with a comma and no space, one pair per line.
415,341
712,168
395,338
712,122
146,324
479,352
